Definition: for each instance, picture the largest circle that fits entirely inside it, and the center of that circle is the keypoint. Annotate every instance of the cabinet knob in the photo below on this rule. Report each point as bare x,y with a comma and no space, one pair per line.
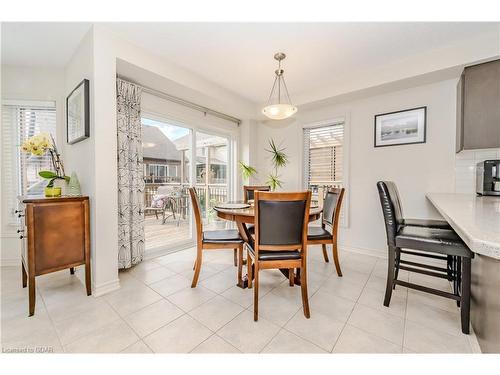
20,230
21,237
20,215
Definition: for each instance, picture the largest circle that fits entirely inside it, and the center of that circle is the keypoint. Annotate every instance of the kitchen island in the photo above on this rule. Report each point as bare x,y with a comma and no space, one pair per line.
476,219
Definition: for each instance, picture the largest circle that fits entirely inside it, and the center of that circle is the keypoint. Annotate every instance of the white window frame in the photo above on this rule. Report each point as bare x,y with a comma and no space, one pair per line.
10,220
344,220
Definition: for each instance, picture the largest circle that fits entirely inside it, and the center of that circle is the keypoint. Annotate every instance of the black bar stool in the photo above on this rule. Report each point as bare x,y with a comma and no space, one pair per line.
431,242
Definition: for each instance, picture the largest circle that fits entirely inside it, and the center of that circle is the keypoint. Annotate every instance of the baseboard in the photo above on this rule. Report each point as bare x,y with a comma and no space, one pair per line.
105,288
473,341
382,254
11,262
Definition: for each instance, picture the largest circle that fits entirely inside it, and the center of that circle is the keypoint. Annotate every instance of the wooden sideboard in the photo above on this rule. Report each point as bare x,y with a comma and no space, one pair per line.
55,235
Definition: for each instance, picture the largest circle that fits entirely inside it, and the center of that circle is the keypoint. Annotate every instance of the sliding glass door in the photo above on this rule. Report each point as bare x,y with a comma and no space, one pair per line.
166,163
176,157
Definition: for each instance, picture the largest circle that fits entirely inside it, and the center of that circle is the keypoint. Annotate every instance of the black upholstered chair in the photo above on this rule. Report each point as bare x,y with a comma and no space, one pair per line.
249,190
431,242
248,195
327,233
427,223
213,240
280,240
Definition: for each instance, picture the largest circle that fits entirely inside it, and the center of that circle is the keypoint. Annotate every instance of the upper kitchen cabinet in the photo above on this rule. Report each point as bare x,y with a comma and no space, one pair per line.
478,117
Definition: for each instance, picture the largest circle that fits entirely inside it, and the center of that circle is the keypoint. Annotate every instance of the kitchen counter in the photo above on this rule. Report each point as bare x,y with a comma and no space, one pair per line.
476,219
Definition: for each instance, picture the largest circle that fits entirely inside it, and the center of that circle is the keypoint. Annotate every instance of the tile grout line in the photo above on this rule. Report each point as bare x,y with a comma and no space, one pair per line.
51,320
354,306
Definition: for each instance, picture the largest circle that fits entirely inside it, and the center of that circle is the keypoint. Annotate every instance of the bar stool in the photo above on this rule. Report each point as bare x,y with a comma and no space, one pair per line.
431,242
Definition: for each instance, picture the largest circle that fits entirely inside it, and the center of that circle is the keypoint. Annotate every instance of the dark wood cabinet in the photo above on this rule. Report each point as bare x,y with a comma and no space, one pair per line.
478,112
56,236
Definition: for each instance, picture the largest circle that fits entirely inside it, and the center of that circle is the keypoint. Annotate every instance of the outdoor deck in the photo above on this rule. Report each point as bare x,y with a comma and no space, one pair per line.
161,235
168,234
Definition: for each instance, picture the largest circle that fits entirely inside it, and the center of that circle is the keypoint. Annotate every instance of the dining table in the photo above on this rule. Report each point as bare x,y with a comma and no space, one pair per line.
246,215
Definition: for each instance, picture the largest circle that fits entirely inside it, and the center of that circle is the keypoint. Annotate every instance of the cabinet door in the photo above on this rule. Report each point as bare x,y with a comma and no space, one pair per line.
482,106
59,235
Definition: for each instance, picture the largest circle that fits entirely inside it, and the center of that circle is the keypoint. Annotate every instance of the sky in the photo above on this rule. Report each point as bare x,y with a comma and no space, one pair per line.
171,131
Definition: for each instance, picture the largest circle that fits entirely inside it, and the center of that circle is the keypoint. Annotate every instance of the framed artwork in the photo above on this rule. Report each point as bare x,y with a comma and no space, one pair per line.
401,127
78,113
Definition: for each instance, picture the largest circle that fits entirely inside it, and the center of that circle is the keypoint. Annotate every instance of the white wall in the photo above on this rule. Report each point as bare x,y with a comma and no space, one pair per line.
465,168
95,159
28,83
417,169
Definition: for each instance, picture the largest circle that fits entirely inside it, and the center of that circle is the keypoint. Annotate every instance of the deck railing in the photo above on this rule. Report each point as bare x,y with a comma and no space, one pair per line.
209,195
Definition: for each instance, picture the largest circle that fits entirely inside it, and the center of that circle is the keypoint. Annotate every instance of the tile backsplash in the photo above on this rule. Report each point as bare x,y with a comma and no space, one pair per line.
465,167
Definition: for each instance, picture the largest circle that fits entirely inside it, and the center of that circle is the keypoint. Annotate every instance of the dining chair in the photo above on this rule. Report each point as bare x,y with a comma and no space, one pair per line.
280,240
248,195
249,190
213,240
434,243
327,233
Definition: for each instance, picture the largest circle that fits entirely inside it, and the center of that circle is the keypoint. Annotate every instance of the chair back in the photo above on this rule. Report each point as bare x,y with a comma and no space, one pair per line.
391,209
281,220
248,191
331,208
197,214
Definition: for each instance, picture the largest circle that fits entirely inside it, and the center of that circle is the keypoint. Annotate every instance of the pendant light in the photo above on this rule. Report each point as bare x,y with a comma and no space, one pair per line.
278,110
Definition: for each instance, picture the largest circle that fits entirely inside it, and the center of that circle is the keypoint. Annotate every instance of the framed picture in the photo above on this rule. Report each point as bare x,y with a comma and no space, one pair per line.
401,127
78,113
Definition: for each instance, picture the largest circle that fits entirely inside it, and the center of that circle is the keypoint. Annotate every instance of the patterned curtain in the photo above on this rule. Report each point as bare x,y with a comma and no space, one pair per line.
130,175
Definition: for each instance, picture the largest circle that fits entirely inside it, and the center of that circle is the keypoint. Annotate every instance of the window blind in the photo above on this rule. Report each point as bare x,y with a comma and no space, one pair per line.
20,121
323,156
323,162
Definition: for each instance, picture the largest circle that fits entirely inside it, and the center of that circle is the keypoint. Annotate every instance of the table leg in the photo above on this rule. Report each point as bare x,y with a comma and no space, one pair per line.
247,237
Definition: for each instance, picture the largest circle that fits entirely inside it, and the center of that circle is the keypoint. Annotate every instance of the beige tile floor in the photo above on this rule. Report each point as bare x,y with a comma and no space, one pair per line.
156,311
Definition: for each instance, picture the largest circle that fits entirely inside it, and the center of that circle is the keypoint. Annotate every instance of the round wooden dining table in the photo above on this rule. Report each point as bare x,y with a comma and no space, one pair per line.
244,216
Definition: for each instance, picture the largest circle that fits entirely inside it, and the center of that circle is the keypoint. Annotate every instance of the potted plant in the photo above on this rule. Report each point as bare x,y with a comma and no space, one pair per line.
246,171
39,145
279,160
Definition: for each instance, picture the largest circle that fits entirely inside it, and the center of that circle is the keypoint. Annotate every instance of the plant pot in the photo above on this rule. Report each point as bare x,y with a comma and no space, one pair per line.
52,192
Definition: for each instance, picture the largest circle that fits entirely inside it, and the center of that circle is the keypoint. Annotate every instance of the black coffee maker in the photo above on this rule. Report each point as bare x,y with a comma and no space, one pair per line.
488,177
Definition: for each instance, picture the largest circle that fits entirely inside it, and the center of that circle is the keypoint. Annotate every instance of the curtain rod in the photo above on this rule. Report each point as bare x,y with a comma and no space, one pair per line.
183,102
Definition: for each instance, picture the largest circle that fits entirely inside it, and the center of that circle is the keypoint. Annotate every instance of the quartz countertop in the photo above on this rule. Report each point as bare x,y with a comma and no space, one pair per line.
476,219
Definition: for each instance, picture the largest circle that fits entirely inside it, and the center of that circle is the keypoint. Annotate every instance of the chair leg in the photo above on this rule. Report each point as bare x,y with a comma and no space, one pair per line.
291,276
235,256
240,265
256,293
72,270
249,271
396,264
325,254
390,276
303,289
465,296
336,259
197,268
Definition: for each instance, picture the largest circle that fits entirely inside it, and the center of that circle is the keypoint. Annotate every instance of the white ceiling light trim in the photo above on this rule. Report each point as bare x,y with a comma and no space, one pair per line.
276,110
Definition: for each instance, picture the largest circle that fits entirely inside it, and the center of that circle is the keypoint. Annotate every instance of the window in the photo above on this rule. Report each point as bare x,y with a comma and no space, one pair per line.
20,121
323,157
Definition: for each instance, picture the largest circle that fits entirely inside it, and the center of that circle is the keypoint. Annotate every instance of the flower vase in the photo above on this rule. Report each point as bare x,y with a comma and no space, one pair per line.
74,186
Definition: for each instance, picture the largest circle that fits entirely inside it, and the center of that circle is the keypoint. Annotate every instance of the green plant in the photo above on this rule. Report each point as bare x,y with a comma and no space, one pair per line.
246,171
274,182
280,160
52,176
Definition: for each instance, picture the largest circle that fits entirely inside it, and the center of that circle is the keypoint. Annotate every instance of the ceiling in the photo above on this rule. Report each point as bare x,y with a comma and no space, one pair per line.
239,56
